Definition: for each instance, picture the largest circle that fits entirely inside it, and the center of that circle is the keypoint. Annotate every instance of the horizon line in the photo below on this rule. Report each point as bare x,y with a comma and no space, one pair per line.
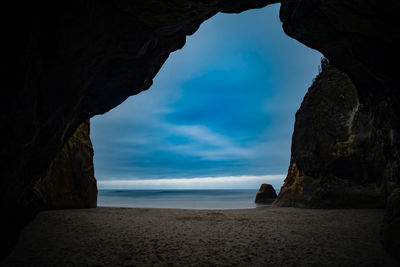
218,182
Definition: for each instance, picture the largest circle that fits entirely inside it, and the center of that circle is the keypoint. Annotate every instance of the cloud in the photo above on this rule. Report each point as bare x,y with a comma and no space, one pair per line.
207,144
222,106
226,182
201,133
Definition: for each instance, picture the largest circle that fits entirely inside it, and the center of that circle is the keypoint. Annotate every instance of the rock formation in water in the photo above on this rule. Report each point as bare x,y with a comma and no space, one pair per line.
266,194
65,62
69,181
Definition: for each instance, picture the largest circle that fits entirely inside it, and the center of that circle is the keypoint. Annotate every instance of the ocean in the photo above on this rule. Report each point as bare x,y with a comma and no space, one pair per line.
179,199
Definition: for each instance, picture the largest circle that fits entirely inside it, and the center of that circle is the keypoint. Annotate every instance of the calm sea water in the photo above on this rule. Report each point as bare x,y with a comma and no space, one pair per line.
181,199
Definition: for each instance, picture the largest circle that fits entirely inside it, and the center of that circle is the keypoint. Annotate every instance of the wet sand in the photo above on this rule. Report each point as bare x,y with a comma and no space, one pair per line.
173,237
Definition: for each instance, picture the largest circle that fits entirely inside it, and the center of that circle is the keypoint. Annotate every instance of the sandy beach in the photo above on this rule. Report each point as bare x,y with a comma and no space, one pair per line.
174,237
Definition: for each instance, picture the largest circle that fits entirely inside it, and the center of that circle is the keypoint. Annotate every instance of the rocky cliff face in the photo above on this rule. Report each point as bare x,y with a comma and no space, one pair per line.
69,181
340,158
64,62
337,159
360,38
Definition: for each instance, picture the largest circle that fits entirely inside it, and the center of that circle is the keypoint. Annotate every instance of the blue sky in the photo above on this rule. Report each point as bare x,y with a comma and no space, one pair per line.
221,110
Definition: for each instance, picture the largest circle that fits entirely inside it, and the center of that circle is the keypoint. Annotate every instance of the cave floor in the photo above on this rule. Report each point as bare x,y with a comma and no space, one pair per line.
160,237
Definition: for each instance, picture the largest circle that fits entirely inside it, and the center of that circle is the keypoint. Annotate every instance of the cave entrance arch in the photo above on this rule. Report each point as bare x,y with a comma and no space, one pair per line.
222,106
75,103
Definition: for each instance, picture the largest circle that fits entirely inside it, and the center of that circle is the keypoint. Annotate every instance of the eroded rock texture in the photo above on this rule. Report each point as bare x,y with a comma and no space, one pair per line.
69,181
337,159
338,156
360,38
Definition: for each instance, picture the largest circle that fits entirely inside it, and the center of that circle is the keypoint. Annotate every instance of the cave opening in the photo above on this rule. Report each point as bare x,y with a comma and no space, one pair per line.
219,114
82,59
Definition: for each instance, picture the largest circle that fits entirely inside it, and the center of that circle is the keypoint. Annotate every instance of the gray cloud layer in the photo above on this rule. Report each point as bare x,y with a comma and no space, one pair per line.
224,105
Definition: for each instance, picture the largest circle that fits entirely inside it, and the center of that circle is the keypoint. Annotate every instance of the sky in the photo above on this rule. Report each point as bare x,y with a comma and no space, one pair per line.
220,113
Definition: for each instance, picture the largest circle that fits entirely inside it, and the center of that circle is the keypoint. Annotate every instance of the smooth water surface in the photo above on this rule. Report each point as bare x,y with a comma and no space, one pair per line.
181,199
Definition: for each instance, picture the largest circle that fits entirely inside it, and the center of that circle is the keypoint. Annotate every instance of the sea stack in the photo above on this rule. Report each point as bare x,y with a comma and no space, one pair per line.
266,194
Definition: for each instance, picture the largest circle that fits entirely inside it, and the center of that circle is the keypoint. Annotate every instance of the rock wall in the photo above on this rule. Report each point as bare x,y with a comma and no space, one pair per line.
69,181
340,158
360,38
337,160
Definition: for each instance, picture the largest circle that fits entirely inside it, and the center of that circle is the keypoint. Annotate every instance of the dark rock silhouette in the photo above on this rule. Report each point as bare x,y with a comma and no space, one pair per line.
391,227
360,38
69,181
266,194
66,62
337,160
